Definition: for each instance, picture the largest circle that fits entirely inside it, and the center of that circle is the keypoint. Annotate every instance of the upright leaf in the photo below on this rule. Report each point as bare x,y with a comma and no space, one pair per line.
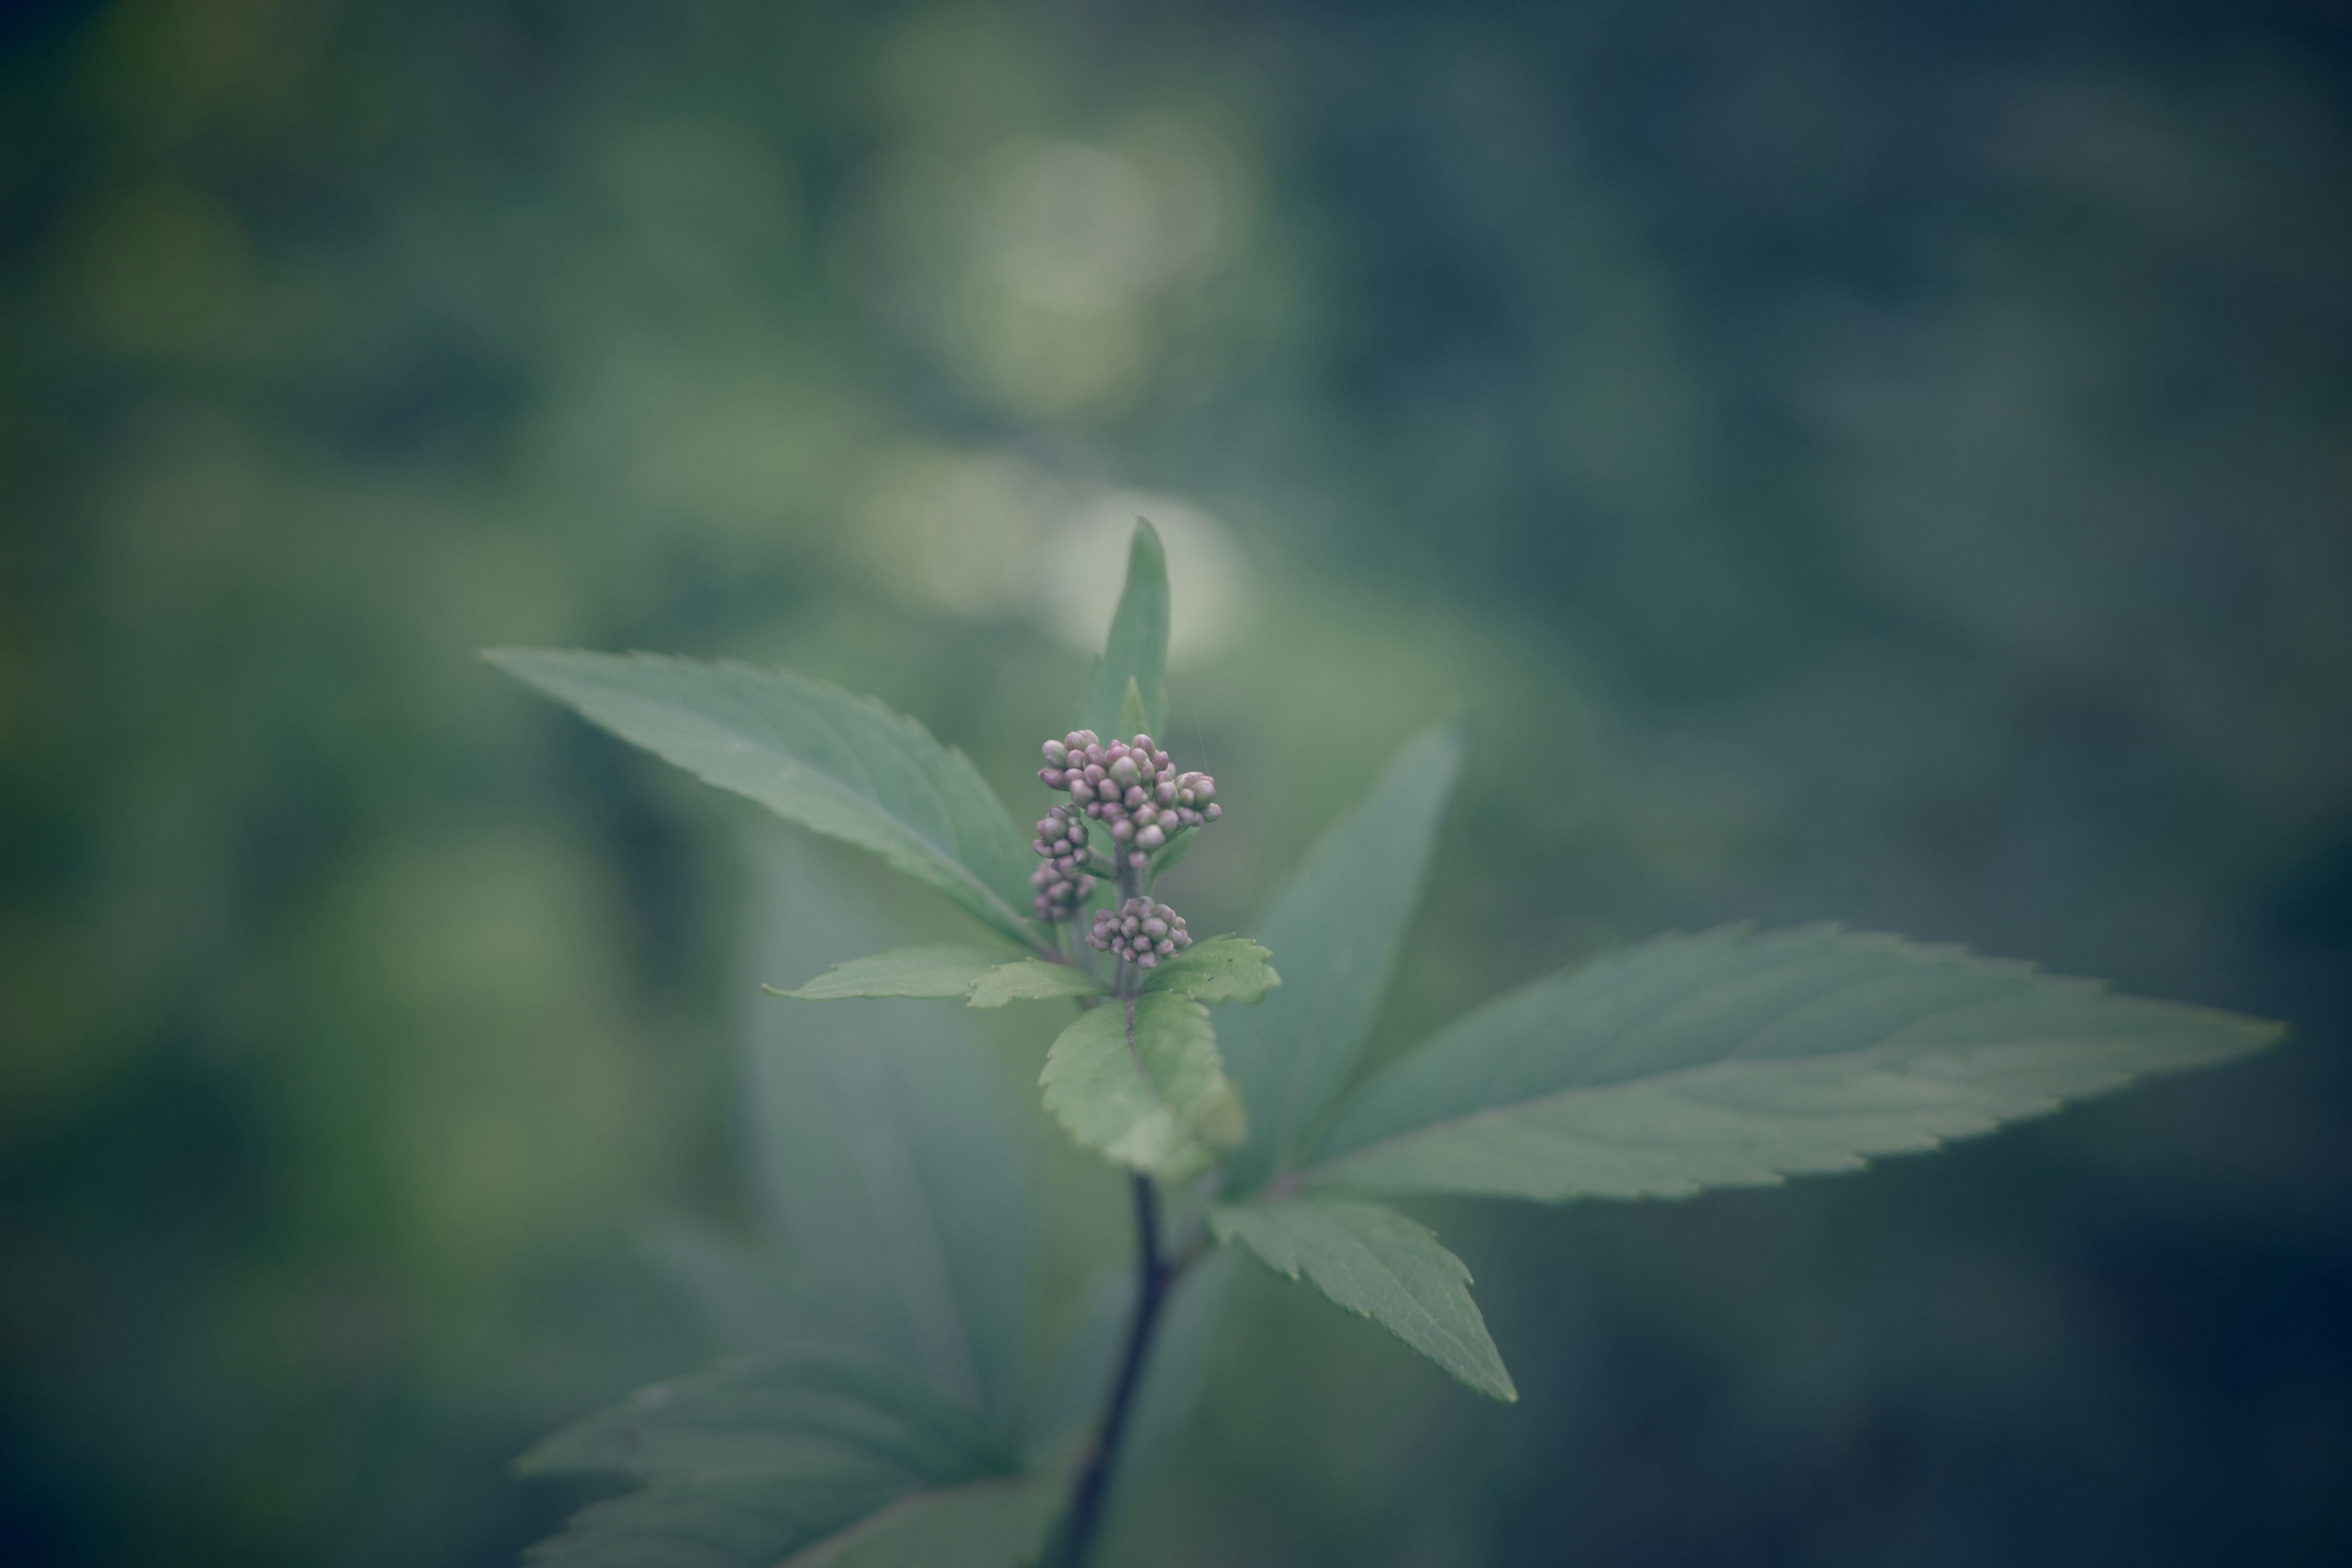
890,1164
1140,1083
1733,1059
1334,927
842,765
1137,649
1375,1263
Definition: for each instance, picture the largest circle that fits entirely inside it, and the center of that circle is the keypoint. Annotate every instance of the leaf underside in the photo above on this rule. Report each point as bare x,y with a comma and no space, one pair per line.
979,975
1141,1083
841,765
1137,649
1033,979
933,972
1736,1059
1375,1263
1335,926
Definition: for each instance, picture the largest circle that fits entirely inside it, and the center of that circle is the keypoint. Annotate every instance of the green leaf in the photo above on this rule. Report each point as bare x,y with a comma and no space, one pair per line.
935,972
1132,719
1375,1263
1733,1059
843,766
758,1520
890,1165
1033,979
1172,853
1217,969
825,1411
745,1302
1140,1083
1136,650
810,1459
987,1524
1336,924
1174,1377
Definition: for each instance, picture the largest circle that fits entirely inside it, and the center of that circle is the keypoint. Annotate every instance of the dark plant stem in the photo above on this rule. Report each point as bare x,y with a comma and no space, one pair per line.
1154,1274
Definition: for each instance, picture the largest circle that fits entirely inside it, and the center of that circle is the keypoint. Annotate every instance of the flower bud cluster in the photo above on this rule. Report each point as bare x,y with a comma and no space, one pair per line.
1129,787
1139,930
1062,883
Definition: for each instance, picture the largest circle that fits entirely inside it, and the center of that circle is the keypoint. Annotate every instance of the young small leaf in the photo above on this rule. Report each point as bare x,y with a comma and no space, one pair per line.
1033,979
1216,969
843,766
1140,1083
1375,1263
1132,718
1173,853
936,971
1733,1059
1336,925
1136,653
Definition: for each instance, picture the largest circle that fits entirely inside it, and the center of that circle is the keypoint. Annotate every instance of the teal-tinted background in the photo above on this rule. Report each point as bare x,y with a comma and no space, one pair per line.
1883,463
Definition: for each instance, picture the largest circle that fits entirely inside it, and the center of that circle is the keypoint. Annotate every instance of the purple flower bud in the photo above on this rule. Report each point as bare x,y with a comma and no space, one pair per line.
1165,945
1094,772
1165,794
1123,769
1133,798
1157,926
1122,830
1152,838
1147,961
1050,778
1057,753
1081,791
1142,744
1179,939
1213,812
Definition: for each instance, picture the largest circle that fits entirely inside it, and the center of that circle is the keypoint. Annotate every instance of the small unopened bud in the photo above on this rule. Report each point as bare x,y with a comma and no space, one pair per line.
1056,754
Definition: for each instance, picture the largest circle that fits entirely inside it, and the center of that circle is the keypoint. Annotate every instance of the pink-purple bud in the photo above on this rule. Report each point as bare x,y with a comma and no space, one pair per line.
1139,930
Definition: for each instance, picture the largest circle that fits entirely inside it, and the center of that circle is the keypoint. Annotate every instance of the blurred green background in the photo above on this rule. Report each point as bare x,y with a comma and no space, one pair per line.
1890,464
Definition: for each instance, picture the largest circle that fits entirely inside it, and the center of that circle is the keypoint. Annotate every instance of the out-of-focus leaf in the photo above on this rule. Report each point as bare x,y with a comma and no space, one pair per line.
1335,926
1175,1374
818,1453
747,1304
984,1524
942,970
890,1165
1377,1263
1033,979
1216,969
1172,853
1137,649
842,765
1733,1059
1132,718
1140,1083
780,1413
758,1519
